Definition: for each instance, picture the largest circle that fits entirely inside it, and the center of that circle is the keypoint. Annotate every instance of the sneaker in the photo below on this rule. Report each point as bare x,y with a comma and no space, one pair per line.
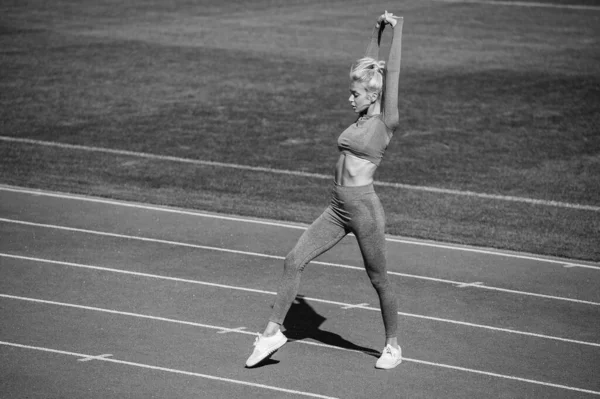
390,358
265,347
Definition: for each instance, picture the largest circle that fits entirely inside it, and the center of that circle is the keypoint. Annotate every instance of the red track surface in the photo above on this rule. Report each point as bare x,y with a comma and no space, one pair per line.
152,291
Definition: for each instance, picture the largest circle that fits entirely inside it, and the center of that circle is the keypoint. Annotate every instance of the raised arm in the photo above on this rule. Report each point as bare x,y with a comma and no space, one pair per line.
373,47
391,116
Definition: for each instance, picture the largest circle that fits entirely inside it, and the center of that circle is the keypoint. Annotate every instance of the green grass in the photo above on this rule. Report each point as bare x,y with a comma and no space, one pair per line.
494,99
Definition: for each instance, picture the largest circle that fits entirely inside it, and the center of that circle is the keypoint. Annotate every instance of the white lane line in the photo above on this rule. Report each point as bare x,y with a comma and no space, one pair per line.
85,198
296,173
230,330
165,319
247,253
335,303
548,384
121,313
571,265
208,326
169,370
358,305
99,357
475,284
491,252
527,4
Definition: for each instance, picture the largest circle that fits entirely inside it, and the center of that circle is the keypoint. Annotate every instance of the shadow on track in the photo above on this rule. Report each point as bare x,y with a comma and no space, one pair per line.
303,322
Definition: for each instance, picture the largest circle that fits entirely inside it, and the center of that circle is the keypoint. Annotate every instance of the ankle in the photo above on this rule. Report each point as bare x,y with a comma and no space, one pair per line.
271,329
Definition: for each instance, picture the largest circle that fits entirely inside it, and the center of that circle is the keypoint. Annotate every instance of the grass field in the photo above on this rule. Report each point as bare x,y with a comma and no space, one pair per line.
495,99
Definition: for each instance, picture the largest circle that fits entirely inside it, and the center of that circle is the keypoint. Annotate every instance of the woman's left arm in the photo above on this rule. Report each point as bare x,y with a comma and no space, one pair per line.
392,78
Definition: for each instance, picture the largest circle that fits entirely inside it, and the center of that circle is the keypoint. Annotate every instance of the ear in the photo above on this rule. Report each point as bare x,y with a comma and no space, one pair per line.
373,96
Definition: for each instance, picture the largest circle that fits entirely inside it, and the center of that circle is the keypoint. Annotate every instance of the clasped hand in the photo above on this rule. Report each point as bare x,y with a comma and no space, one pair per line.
387,18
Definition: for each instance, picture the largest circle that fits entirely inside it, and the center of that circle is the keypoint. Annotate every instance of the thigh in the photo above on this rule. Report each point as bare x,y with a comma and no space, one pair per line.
321,235
368,217
368,225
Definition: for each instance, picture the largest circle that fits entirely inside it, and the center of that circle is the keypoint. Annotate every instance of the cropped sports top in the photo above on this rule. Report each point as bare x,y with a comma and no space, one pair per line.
367,138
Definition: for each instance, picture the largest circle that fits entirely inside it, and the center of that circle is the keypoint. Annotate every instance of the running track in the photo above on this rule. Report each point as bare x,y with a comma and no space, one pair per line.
107,299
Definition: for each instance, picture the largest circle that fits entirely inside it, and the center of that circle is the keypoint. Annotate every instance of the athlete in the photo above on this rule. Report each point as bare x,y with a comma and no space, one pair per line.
354,207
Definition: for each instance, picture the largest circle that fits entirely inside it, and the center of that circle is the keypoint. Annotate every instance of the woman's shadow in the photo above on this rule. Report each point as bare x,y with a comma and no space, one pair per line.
303,322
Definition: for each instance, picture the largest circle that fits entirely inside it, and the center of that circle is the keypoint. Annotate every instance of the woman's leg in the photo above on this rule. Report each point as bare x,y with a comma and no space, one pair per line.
369,227
321,236
368,224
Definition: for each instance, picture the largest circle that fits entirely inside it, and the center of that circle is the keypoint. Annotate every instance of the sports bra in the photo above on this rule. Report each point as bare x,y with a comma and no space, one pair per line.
367,138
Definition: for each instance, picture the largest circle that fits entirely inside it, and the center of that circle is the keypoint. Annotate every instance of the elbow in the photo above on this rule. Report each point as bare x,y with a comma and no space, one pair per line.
393,121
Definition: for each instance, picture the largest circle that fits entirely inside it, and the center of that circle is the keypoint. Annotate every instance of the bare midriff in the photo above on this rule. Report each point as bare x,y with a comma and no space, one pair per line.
351,171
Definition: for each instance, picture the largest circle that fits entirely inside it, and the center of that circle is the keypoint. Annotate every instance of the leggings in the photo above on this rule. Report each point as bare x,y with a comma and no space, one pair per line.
352,209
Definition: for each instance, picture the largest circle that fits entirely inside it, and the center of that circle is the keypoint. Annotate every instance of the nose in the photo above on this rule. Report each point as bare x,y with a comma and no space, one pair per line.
351,98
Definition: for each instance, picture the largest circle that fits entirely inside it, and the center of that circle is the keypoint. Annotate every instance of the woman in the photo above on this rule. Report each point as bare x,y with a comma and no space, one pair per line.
354,205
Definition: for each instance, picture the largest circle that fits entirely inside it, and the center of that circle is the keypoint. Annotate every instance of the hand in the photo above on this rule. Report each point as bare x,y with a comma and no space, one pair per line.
387,18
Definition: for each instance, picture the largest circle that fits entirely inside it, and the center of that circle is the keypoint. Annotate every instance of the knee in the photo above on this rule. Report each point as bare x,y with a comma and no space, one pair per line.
380,282
291,264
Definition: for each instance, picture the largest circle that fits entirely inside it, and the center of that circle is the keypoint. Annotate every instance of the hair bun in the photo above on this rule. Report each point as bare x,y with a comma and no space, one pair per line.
370,72
377,66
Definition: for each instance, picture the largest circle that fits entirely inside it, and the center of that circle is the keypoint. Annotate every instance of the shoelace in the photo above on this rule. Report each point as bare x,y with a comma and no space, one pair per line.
388,351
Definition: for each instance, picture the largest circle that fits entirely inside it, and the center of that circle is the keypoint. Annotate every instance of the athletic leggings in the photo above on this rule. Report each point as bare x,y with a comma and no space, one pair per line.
352,209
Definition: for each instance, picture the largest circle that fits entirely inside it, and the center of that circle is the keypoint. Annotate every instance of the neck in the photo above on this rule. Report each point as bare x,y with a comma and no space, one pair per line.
374,109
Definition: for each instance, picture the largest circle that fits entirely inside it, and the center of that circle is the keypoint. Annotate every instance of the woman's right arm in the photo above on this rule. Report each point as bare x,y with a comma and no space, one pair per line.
373,47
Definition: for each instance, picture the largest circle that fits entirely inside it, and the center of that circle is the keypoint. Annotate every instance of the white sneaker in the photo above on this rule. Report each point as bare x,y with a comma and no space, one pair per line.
390,358
265,347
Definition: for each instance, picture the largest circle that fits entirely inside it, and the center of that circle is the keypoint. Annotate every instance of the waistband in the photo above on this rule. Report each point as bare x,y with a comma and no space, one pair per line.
350,190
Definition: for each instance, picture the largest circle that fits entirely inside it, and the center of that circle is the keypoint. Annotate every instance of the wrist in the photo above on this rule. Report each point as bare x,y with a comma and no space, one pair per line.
394,21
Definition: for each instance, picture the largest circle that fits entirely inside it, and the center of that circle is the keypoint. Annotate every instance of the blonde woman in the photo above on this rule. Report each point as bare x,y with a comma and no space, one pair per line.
355,207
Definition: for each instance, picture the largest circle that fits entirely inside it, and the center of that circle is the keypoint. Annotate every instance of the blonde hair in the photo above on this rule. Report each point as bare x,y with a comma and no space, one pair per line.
370,72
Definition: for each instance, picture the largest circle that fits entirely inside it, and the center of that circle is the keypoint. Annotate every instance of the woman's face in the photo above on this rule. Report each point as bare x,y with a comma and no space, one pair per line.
360,99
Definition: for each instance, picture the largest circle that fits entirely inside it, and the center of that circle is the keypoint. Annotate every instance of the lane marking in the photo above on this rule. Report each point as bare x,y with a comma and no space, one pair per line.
296,173
122,313
168,320
507,377
491,252
230,330
359,305
526,4
170,370
99,357
434,364
475,284
454,247
335,303
246,253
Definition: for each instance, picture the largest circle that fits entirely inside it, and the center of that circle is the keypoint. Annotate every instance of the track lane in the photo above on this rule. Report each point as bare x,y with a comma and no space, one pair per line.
530,275
204,357
446,344
416,297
